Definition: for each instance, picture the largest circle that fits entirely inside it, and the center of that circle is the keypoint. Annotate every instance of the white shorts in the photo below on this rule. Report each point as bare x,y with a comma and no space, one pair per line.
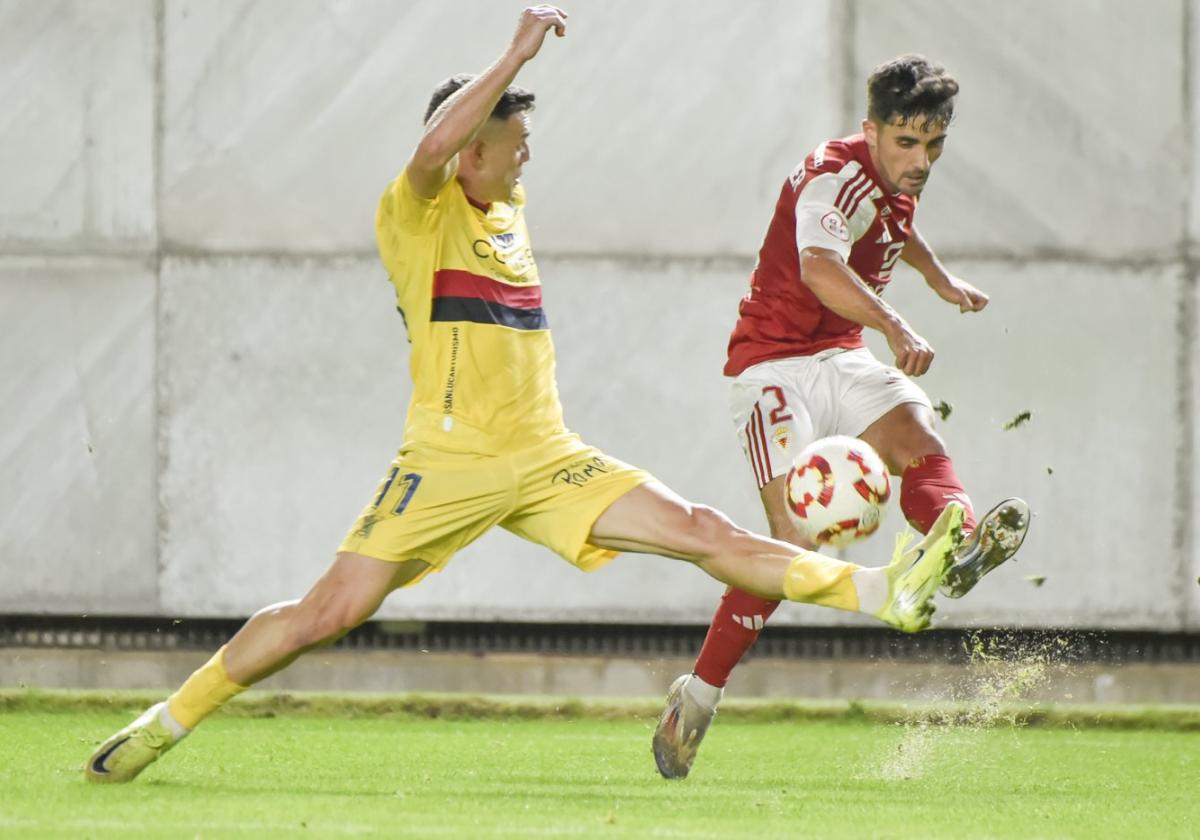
781,406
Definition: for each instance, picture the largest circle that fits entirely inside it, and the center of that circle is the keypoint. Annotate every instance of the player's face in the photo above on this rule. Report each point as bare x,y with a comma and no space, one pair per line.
903,153
504,150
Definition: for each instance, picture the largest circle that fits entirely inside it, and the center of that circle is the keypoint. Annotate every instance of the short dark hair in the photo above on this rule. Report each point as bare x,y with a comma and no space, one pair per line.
513,100
911,88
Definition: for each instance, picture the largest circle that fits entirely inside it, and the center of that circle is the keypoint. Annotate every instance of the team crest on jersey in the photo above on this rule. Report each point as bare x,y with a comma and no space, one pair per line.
834,223
781,437
508,249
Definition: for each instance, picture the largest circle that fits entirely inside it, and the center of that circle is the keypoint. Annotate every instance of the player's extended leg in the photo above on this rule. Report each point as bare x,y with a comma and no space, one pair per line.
349,592
653,519
908,444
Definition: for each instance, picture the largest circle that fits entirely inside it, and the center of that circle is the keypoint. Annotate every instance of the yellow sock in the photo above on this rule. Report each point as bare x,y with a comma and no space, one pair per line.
813,578
203,692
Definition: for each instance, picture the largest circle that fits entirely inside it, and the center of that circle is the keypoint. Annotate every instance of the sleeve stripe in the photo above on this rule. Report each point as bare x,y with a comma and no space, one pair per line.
858,199
856,196
848,190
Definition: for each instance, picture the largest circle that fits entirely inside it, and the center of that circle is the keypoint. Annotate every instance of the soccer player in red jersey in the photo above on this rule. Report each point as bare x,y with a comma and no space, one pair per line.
801,371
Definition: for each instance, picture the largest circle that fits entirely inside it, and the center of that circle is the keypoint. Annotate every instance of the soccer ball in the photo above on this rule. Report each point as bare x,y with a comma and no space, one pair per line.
837,490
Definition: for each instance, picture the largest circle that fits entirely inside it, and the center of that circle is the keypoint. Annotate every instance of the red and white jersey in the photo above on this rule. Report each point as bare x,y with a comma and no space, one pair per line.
833,200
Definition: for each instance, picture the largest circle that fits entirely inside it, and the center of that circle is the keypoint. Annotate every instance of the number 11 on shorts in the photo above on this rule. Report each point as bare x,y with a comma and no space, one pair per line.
408,484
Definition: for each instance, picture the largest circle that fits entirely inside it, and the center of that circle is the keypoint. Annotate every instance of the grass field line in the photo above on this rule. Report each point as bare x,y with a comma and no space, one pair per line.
1182,718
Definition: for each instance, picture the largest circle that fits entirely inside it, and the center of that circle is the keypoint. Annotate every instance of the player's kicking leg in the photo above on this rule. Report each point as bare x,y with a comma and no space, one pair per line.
904,436
653,519
345,596
906,440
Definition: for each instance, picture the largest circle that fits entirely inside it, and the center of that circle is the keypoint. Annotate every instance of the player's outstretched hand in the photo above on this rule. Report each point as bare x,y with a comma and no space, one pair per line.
962,294
535,22
913,354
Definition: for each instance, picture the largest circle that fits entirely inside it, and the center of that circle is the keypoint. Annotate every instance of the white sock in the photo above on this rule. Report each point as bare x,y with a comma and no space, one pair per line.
702,693
168,720
872,588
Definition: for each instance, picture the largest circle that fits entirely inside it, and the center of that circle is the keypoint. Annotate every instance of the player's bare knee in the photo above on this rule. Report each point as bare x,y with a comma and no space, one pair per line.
909,448
713,530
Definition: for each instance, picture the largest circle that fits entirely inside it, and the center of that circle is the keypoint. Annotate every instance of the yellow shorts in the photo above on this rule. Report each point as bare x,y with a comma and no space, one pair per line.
433,503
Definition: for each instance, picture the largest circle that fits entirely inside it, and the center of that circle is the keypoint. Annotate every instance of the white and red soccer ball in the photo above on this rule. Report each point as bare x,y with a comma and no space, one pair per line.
837,490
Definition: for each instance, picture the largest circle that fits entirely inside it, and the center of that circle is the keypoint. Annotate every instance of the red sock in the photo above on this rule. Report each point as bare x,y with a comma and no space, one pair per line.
740,618
925,488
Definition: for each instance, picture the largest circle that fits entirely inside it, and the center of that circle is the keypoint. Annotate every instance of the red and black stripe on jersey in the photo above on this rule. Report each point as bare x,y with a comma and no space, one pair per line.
463,296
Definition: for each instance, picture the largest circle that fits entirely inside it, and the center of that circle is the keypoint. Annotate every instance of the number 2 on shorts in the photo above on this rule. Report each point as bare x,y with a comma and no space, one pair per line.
780,412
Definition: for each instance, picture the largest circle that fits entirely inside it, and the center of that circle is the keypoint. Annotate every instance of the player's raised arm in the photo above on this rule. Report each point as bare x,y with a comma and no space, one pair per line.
460,117
949,288
837,287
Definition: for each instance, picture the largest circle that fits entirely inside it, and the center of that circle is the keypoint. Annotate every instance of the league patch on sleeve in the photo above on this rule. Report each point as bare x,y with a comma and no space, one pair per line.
834,223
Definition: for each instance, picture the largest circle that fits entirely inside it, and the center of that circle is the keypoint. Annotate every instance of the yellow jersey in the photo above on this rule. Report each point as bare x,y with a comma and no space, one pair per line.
467,286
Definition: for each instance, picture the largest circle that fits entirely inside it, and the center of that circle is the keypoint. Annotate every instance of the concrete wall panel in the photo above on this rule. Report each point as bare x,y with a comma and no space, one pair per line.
1090,352
282,393
77,437
684,152
1052,142
77,162
297,114
1188,534
1192,112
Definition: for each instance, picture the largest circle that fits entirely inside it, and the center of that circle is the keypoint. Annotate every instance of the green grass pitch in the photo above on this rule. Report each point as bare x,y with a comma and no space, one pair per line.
404,776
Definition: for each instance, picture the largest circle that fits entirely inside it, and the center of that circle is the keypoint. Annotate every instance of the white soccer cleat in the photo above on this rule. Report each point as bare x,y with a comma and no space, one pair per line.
680,730
130,751
997,537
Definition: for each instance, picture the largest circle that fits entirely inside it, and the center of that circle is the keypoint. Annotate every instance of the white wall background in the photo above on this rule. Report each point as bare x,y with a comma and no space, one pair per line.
203,376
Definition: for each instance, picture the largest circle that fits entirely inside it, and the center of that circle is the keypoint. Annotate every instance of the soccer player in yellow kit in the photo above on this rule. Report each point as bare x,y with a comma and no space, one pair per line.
485,442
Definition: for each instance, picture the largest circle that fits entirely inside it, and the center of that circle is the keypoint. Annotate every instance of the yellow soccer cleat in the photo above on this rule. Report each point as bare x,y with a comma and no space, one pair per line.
915,573
680,730
130,751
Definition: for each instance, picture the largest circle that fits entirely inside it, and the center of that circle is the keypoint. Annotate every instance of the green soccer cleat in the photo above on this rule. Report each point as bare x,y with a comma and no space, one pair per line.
680,730
997,538
130,751
915,573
